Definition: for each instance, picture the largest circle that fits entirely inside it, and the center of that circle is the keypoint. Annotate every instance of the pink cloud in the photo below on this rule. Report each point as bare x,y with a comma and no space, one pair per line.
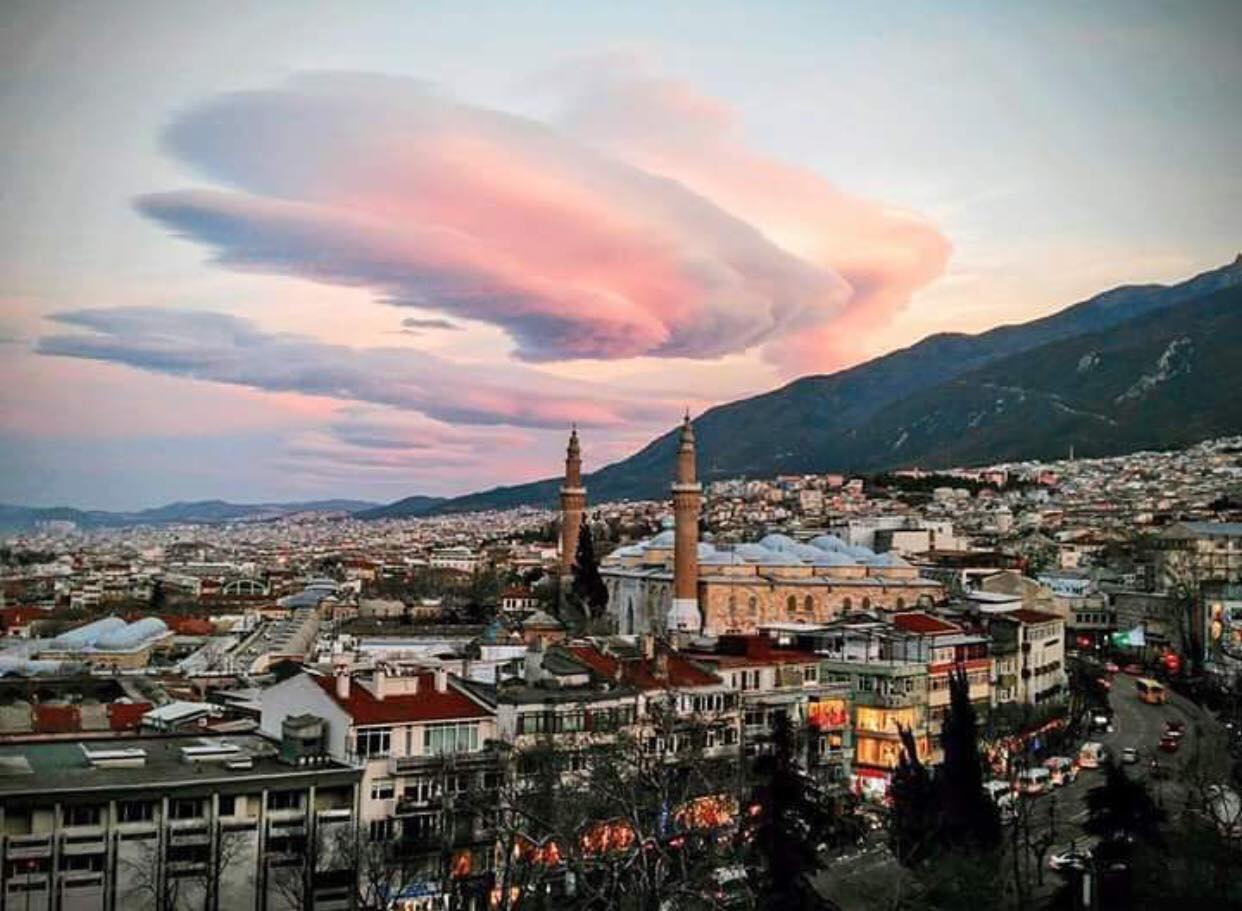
666,127
226,349
380,183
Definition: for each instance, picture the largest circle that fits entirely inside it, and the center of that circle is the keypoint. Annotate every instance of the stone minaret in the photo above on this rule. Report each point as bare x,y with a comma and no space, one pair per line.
573,505
684,615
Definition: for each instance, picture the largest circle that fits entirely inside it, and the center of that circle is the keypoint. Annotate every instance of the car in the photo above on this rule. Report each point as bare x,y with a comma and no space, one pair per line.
1111,667
1175,726
1159,771
1069,859
1170,744
1133,670
1129,756
1104,683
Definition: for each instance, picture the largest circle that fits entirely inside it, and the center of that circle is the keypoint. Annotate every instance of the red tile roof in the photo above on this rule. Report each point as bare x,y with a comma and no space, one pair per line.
425,705
752,651
640,672
57,719
919,622
189,626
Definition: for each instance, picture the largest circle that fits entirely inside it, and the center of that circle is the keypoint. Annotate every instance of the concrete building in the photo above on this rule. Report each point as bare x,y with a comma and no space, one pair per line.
1029,650
425,744
148,823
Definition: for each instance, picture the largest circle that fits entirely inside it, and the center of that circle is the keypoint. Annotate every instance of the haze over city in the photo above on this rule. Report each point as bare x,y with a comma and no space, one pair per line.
311,250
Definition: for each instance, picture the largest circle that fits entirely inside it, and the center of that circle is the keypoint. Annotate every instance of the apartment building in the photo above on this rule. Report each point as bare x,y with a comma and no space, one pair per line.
1028,649
154,823
772,676
888,690
426,747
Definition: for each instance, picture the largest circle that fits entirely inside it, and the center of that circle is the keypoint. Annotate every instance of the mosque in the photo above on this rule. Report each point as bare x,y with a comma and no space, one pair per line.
675,583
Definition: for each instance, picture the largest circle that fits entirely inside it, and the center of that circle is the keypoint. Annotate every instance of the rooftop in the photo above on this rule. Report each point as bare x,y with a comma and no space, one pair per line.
64,767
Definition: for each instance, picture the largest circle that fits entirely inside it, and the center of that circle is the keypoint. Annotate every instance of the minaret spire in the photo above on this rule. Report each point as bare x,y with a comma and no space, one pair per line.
684,616
573,505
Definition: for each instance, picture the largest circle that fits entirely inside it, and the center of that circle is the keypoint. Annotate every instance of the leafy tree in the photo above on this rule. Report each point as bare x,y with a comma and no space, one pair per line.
588,586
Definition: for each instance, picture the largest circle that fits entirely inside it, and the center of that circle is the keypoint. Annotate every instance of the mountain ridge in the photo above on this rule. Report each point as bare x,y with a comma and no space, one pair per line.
792,429
15,517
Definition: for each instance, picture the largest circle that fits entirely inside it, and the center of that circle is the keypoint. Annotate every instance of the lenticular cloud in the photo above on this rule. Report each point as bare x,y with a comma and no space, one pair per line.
577,242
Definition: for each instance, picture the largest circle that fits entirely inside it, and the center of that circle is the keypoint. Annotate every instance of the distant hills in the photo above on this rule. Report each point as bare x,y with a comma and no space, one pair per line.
410,506
18,518
1138,366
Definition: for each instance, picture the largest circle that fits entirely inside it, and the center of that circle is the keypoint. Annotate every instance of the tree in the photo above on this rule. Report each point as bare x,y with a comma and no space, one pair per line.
792,823
1121,809
588,586
970,819
912,828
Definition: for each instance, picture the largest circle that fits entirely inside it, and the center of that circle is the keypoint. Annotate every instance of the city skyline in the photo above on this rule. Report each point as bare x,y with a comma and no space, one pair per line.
315,253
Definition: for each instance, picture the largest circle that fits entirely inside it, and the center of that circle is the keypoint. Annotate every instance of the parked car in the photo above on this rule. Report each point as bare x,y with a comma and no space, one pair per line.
1069,859
1091,756
1129,756
1175,726
1063,769
1111,667
1170,744
1034,781
1133,670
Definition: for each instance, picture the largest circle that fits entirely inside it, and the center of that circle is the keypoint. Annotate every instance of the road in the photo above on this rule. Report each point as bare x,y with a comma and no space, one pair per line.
1063,812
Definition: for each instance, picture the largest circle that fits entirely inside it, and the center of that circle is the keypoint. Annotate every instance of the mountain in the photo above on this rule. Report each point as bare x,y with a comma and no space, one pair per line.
410,506
853,420
17,518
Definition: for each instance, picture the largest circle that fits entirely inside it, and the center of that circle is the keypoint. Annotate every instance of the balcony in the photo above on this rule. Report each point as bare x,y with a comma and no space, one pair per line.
409,806
29,846
83,845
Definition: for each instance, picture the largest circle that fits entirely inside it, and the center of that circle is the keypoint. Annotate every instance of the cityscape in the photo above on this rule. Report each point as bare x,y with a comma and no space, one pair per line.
471,457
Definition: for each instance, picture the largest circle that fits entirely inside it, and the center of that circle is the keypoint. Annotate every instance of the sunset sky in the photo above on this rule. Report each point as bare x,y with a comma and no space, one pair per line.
294,250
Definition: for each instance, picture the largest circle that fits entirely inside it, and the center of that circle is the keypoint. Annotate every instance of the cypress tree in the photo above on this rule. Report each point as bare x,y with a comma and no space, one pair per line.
913,829
970,818
588,586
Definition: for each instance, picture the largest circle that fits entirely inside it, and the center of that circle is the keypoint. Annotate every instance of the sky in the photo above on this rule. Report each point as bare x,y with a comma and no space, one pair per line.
294,250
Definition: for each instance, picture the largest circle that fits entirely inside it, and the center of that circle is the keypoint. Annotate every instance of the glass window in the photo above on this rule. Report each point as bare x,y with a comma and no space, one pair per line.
185,808
373,742
228,804
382,789
82,816
284,800
135,811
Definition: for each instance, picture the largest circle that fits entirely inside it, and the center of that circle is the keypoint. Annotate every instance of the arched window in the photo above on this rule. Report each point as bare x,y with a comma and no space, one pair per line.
901,603
847,605
753,605
866,605
630,618
808,604
791,605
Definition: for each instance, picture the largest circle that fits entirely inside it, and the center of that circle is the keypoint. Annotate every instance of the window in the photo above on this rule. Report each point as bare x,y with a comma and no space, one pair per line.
753,605
373,742
808,604
82,816
572,722
532,723
866,603
847,604
81,863
382,789
791,605
380,830
284,800
901,603
185,808
228,804
450,738
419,790
135,811
810,673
